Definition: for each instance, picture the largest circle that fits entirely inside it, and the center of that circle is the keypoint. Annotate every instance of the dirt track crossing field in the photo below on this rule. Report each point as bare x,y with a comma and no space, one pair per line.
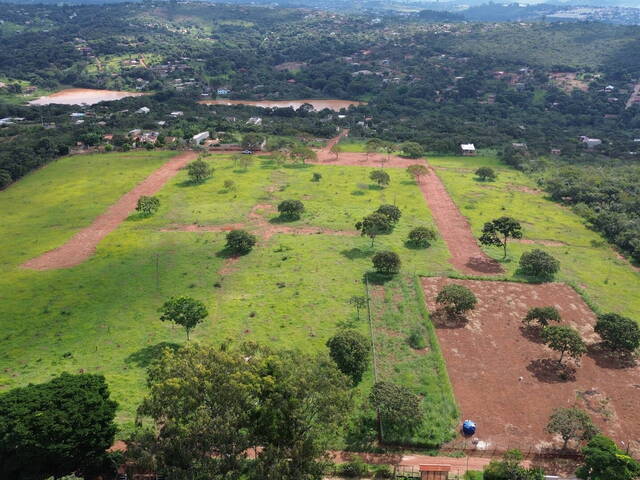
505,379
83,244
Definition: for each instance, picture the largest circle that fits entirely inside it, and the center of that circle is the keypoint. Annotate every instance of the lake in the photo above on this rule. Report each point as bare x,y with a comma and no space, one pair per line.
79,96
295,104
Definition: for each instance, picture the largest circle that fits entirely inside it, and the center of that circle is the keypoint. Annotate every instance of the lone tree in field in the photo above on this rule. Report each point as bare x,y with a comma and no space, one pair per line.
147,205
374,225
56,428
564,339
400,414
302,155
571,424
542,316
412,150
252,141
290,209
199,171
240,242
184,311
421,237
619,334
498,231
381,177
603,460
417,171
538,263
316,177
456,299
359,302
336,150
392,212
350,350
486,174
386,262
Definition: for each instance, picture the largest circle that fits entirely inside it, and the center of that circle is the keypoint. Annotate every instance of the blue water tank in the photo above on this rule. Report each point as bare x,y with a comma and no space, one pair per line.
468,427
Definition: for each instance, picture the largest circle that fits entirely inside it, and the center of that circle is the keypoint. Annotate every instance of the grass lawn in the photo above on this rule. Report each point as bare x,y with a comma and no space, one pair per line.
290,292
587,261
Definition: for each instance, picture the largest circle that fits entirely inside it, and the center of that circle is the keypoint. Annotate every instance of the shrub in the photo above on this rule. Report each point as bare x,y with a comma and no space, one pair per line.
147,205
380,177
350,350
229,185
412,149
421,237
618,333
355,468
240,241
486,174
386,262
382,471
416,340
291,209
456,299
316,177
392,212
199,171
538,263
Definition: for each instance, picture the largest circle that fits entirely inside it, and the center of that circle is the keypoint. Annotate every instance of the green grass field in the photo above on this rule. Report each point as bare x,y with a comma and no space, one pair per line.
587,261
101,316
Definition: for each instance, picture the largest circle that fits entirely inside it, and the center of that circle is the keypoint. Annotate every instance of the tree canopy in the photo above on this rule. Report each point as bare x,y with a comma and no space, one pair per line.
618,333
184,311
351,351
497,232
374,225
603,460
571,424
240,242
456,299
538,263
565,340
400,410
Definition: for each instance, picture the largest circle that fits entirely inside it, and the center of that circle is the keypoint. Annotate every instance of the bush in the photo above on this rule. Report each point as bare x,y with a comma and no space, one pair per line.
386,262
538,263
350,351
618,333
354,469
291,209
412,149
147,205
199,171
416,340
542,315
456,299
316,177
229,185
240,241
380,177
382,471
486,174
421,237
392,212
473,475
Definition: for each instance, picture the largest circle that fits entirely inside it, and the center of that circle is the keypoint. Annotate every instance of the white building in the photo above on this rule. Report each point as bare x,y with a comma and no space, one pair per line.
200,137
468,149
143,110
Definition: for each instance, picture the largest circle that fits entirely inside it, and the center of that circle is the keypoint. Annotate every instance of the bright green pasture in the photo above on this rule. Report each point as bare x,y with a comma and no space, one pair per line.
101,316
586,260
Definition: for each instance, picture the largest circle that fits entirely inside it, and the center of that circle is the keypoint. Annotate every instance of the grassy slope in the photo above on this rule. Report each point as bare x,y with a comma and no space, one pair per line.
586,260
101,316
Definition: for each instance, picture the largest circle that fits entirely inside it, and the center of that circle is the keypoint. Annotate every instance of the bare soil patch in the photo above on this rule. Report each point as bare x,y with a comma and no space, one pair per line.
548,243
568,81
508,382
83,244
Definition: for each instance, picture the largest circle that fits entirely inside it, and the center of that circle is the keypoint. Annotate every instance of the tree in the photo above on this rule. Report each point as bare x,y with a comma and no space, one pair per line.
486,174
55,428
538,263
184,311
386,262
506,227
456,299
417,171
252,141
388,148
359,302
199,171
291,209
316,177
147,205
374,225
372,146
618,333
603,460
303,154
421,236
542,316
571,424
336,150
350,350
380,177
412,149
510,469
240,242
564,339
392,212
400,413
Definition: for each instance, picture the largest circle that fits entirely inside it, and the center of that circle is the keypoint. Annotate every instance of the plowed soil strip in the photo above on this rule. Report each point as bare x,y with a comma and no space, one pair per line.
509,383
83,244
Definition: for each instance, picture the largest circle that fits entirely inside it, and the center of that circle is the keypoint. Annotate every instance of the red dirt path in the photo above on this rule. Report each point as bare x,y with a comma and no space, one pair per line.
505,380
466,255
83,244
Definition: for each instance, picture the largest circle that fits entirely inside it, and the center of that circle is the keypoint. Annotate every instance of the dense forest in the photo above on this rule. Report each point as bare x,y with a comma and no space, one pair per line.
427,78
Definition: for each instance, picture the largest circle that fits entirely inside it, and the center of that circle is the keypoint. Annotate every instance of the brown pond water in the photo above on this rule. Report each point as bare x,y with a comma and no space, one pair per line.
79,96
295,104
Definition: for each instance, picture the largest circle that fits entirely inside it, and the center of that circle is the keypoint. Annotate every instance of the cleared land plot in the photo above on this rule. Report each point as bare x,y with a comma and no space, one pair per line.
504,378
587,261
101,316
